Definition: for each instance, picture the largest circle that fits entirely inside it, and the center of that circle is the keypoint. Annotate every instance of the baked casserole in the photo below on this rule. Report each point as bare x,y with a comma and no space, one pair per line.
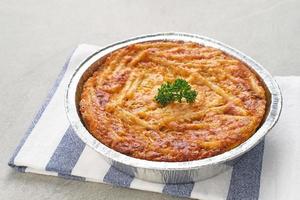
118,106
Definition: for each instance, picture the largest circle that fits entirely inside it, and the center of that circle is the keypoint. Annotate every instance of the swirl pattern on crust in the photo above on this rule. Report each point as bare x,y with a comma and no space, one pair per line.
118,108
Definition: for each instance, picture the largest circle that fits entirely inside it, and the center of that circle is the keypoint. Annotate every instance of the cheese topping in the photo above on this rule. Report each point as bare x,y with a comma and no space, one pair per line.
118,107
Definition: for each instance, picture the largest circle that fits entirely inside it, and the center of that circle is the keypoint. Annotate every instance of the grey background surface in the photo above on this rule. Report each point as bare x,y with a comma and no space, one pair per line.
37,36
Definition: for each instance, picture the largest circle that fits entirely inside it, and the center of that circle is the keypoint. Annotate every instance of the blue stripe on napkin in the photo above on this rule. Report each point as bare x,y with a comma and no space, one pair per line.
245,178
67,153
41,110
180,190
116,177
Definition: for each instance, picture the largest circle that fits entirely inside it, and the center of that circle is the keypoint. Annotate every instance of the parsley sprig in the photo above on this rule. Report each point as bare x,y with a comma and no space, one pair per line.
176,91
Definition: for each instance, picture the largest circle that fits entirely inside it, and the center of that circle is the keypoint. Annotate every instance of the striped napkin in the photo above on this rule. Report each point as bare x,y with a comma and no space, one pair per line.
51,147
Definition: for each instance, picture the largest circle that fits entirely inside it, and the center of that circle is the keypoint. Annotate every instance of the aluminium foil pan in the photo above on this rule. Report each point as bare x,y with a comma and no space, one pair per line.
170,172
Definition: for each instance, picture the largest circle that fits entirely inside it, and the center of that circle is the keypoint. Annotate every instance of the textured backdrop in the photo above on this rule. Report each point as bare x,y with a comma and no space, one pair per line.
37,36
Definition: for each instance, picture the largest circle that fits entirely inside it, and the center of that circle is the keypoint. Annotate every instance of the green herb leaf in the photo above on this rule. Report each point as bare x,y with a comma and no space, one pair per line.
176,91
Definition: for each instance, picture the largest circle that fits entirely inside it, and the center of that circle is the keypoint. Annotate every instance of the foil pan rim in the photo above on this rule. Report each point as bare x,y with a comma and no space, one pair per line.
108,153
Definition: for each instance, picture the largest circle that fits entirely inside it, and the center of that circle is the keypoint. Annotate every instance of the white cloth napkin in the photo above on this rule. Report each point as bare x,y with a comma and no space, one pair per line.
270,171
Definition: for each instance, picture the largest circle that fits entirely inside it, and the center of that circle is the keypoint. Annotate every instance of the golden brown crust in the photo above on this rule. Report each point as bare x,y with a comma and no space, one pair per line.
118,108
